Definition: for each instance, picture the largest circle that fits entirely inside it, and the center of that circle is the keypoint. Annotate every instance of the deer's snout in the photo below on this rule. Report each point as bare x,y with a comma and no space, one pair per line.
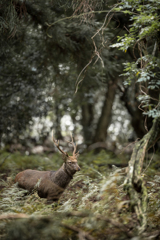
78,169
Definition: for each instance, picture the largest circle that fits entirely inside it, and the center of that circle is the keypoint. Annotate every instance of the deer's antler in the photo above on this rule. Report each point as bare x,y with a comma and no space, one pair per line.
74,146
56,142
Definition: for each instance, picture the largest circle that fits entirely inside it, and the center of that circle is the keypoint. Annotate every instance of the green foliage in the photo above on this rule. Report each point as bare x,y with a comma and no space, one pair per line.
8,23
143,39
19,161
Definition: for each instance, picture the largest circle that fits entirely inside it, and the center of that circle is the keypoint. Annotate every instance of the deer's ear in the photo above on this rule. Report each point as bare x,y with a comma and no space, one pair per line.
77,155
64,157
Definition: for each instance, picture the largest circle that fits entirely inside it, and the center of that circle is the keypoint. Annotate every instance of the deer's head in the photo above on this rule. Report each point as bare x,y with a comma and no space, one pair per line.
71,164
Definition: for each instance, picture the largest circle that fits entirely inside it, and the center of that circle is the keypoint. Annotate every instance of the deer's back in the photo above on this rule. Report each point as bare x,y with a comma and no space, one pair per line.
27,179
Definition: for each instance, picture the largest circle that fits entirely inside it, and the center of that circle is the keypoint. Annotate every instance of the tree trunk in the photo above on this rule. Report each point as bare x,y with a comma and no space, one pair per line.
57,124
86,121
137,119
129,97
134,183
105,118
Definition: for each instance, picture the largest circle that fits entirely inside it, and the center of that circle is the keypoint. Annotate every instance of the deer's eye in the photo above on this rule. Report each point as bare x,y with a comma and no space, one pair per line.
69,162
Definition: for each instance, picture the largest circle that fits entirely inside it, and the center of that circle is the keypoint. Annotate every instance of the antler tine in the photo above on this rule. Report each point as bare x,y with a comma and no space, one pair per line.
74,145
57,145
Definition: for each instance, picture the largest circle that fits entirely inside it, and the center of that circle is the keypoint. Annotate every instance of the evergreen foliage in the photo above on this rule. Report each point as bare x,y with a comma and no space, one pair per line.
48,57
143,38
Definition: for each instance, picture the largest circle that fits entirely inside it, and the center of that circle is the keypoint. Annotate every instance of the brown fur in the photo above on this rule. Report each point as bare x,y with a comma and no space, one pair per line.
49,184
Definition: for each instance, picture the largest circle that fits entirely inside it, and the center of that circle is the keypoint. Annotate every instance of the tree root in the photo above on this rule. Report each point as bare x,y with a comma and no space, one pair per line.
134,183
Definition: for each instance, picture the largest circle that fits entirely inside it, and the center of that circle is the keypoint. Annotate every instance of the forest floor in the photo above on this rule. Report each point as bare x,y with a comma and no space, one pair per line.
94,206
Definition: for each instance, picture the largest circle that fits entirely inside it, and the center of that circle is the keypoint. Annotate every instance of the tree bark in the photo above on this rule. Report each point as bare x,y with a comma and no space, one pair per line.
129,97
134,183
131,104
105,118
57,124
86,121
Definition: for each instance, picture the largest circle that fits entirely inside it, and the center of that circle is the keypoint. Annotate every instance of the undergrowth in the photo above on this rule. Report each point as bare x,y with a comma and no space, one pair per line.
94,206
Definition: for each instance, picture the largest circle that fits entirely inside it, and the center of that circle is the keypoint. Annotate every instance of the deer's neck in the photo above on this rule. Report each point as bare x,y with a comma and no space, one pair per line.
61,177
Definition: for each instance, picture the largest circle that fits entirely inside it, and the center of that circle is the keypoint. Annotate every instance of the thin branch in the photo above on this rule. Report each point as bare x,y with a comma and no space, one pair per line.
154,49
104,21
71,17
78,82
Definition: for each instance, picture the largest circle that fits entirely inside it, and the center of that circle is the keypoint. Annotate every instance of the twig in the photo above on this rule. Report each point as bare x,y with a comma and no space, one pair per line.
104,21
71,17
154,49
79,81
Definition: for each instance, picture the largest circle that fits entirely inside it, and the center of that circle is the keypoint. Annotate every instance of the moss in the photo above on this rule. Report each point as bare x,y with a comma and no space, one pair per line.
94,204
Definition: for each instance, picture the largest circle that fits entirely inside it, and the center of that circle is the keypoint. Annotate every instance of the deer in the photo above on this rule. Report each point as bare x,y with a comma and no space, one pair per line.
50,184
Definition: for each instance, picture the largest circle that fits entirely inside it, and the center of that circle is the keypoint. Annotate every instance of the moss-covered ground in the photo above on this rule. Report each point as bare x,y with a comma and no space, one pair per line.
94,205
